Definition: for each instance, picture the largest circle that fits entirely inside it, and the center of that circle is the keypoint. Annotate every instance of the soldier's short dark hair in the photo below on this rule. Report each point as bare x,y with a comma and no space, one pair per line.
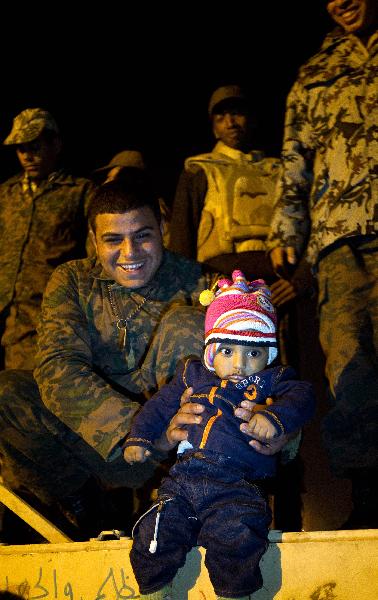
133,190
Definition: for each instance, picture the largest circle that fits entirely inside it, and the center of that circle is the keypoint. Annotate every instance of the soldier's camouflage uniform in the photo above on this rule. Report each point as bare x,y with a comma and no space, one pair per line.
91,382
41,227
329,200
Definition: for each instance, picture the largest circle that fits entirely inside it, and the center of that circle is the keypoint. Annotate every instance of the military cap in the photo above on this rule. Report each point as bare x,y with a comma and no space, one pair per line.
29,124
226,92
127,158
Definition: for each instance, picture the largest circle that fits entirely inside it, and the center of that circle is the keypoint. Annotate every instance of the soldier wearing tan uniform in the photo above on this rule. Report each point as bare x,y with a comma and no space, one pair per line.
224,198
328,210
42,224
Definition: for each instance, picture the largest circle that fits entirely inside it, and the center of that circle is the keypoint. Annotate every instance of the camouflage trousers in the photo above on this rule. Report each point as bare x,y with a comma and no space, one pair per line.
20,336
348,310
41,454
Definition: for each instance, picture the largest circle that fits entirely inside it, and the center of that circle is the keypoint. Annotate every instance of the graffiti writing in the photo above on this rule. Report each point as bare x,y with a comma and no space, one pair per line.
114,586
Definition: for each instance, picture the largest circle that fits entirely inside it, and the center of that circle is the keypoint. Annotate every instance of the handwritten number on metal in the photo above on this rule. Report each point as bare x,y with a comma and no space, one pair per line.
39,586
110,577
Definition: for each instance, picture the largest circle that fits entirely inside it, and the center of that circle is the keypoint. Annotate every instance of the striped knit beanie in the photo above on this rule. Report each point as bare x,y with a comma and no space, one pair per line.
240,312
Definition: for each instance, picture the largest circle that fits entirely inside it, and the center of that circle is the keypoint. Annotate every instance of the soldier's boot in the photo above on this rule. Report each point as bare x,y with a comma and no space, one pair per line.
164,594
83,520
83,509
364,514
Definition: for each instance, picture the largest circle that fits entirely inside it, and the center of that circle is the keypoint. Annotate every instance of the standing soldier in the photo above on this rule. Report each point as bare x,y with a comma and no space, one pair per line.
328,210
42,224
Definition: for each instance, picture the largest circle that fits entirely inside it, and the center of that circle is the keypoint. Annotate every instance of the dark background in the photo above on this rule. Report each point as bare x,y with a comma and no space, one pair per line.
140,76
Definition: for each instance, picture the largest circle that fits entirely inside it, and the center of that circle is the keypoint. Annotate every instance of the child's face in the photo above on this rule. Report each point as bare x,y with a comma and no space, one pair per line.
235,362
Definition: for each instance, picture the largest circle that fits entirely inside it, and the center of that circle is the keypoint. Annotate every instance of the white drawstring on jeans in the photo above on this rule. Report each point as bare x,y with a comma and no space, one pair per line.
153,543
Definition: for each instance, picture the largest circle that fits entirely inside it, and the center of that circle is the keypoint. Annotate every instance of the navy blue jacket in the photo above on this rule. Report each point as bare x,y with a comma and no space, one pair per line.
219,431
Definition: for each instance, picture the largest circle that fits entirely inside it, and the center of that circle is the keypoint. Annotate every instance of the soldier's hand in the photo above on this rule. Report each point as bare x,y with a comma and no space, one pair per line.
247,408
189,413
282,291
282,258
268,448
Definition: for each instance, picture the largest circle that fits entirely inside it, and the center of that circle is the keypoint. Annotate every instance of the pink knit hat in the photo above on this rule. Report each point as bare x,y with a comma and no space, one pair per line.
240,312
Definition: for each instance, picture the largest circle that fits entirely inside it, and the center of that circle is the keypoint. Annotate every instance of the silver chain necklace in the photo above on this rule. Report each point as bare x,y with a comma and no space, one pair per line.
122,323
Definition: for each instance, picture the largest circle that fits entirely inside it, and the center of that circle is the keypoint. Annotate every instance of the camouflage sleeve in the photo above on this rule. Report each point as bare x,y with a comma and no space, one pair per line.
68,384
290,222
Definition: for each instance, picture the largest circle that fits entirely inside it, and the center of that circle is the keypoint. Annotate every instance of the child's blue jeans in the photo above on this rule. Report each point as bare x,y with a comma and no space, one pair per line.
208,504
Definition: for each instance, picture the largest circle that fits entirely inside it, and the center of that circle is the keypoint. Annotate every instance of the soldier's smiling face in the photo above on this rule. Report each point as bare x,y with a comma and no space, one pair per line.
129,246
354,16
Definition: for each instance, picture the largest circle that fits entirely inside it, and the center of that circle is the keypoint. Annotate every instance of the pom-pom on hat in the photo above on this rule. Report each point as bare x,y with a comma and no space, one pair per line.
240,312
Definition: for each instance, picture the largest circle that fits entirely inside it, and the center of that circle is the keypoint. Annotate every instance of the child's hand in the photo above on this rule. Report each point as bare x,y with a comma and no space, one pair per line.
262,427
133,454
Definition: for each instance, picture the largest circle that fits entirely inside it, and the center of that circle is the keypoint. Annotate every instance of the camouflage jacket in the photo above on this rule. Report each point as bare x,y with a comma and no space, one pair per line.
38,231
329,187
86,377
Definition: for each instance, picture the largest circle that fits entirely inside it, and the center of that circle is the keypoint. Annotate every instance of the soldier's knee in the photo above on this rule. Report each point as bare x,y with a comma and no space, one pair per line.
15,386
